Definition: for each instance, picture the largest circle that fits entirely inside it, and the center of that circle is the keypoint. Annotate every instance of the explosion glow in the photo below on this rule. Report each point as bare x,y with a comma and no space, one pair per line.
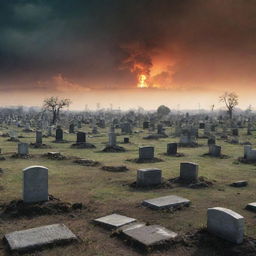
142,81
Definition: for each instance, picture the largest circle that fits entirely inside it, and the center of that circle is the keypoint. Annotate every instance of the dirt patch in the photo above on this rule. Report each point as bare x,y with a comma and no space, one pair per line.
13,140
202,182
54,156
246,143
140,161
164,185
86,162
2,158
244,161
36,145
83,145
155,136
189,145
113,149
175,155
204,243
60,141
221,156
121,168
21,156
17,208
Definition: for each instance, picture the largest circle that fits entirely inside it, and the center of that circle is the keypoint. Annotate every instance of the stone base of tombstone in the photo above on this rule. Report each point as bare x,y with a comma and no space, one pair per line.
113,149
36,145
83,145
60,141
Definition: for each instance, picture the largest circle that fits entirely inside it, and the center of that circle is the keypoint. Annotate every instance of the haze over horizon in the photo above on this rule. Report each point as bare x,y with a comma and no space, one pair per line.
186,52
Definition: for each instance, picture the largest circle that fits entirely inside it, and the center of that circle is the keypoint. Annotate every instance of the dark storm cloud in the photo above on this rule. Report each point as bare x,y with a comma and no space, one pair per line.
87,41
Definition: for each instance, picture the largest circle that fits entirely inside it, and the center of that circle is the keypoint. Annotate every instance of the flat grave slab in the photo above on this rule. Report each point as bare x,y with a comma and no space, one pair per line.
166,202
36,238
114,221
150,235
251,207
240,183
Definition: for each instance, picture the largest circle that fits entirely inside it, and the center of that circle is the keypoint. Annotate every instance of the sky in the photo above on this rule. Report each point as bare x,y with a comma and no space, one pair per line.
185,52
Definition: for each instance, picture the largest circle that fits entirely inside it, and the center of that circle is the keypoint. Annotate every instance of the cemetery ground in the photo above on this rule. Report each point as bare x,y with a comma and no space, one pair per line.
104,192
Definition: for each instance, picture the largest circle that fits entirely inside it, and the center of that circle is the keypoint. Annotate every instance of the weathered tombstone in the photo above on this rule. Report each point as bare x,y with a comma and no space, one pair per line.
114,221
211,140
235,132
81,137
172,148
160,129
72,128
35,184
166,202
249,153
146,152
23,148
37,238
126,140
39,137
112,139
201,125
145,125
149,177
226,224
189,172
215,150
59,134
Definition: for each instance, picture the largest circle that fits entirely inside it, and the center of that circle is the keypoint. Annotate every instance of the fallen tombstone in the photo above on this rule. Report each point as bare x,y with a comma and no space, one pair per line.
240,183
114,221
166,202
87,162
54,156
251,207
226,224
148,237
36,238
121,168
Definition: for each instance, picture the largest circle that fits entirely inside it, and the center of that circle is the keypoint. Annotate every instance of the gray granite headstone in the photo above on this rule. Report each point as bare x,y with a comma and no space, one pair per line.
114,221
149,177
189,171
166,202
35,184
39,137
36,238
23,148
146,152
226,224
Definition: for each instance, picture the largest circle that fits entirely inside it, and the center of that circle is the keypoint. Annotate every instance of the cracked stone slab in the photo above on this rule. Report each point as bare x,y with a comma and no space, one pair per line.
166,202
36,238
150,235
114,221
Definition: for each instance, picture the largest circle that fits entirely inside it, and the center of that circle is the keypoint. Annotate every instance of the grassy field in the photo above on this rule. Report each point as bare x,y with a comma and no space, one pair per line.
107,192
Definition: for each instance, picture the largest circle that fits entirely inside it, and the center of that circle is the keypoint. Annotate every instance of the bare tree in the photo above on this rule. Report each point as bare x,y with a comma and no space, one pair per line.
54,105
231,100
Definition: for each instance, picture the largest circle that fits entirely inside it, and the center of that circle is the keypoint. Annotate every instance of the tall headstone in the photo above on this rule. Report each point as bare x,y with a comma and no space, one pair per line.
172,148
23,148
81,137
189,172
35,184
226,224
72,128
59,134
112,139
146,152
39,137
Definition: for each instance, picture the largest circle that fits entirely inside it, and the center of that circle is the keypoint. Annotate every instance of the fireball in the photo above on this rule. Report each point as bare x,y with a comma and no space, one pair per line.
142,81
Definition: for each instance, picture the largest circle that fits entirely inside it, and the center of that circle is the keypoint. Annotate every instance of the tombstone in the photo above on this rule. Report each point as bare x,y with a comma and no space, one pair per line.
235,132
189,172
114,221
145,125
35,184
160,129
166,202
59,134
72,128
249,153
211,140
79,125
49,131
126,128
226,224
149,177
23,148
172,148
81,137
146,152
112,139
37,238
13,134
39,137
215,150
201,125
187,137
126,140
95,130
